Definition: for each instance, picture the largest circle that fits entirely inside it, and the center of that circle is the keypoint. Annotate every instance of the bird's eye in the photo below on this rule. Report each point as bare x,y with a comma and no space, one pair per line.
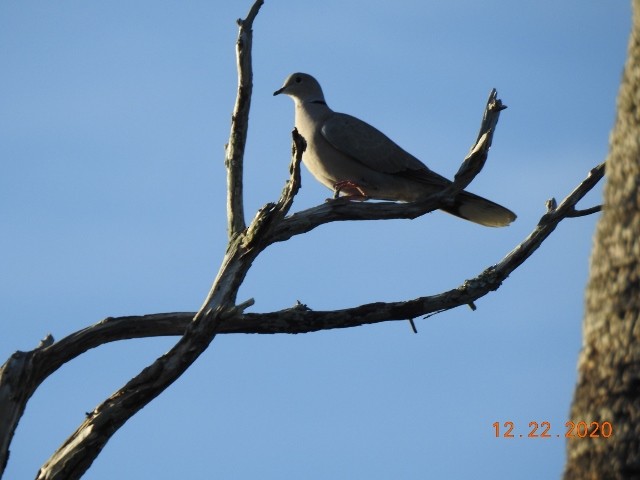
298,79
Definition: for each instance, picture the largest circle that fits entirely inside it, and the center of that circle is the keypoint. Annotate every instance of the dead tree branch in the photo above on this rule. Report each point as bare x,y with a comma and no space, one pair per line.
240,124
23,372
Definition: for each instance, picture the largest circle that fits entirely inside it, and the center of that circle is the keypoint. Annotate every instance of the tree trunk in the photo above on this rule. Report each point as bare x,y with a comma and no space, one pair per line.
608,388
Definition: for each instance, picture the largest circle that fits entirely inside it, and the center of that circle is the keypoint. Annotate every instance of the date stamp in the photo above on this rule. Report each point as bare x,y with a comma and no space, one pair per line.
543,430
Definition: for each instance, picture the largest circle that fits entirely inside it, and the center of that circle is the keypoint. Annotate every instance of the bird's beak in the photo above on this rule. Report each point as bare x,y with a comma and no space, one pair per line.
278,92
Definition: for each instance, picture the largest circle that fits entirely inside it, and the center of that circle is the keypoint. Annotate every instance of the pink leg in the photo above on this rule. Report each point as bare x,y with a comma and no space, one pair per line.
352,191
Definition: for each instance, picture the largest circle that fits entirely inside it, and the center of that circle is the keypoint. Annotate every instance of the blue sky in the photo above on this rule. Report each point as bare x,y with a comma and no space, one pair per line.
113,118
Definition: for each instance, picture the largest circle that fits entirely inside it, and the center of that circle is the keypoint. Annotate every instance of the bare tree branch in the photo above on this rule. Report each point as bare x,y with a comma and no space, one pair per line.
479,152
586,211
549,222
234,150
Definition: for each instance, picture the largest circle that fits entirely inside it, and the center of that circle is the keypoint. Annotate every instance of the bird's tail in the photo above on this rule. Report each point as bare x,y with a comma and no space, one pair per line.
480,210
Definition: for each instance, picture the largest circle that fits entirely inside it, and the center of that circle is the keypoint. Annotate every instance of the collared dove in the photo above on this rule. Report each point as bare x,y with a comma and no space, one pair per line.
356,160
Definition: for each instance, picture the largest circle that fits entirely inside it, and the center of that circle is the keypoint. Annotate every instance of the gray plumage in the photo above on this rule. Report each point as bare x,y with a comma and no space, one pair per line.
346,154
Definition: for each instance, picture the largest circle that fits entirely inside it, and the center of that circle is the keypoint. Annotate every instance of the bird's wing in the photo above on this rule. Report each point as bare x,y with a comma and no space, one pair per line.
374,149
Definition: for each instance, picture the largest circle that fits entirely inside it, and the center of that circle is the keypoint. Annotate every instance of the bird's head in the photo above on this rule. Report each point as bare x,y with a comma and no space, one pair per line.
301,87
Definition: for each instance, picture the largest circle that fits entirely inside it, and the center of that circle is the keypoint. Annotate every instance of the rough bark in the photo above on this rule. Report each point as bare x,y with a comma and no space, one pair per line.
608,388
234,150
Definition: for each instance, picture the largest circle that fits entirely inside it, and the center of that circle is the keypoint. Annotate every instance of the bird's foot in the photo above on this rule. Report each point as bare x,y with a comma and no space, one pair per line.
350,191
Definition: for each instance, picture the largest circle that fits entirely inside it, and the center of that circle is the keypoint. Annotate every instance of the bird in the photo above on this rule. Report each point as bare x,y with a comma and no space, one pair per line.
358,162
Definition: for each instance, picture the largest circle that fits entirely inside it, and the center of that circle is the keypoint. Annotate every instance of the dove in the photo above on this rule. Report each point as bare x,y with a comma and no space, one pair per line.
359,162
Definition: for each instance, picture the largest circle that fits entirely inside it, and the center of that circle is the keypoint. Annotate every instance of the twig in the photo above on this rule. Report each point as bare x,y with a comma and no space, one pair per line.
585,212
475,160
298,146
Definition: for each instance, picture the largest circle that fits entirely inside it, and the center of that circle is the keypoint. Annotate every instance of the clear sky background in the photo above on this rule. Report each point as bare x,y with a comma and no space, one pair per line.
113,118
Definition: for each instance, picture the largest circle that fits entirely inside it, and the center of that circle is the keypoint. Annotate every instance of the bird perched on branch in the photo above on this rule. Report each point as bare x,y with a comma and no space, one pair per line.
359,162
